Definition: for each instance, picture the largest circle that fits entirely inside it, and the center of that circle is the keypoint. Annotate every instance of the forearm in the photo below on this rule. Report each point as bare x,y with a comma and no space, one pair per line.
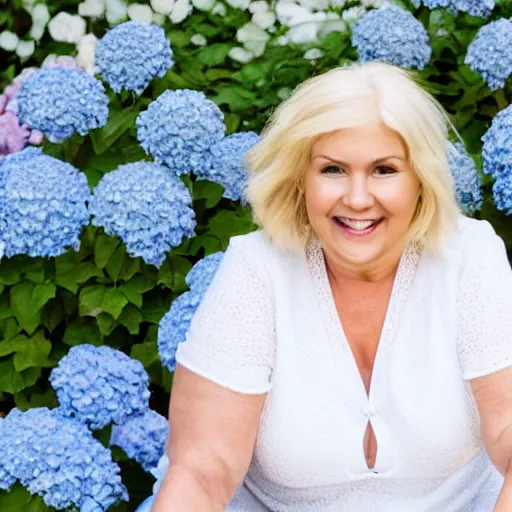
504,503
183,490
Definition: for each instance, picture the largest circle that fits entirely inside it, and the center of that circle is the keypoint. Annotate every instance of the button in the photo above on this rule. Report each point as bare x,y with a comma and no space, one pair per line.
369,411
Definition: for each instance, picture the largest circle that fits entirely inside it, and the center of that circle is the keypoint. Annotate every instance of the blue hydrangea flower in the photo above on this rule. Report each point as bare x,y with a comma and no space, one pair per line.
42,204
61,101
174,326
497,147
223,163
143,438
146,206
202,273
178,125
480,8
468,183
490,53
100,385
130,55
59,459
502,194
393,35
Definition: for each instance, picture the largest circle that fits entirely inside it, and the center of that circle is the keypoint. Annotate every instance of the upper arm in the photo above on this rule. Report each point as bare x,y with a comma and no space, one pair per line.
213,429
485,338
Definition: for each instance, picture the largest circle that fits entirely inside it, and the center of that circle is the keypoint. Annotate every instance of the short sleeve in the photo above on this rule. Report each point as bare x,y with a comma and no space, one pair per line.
231,340
485,304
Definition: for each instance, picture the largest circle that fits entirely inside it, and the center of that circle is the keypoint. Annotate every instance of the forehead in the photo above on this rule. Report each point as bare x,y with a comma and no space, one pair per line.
372,139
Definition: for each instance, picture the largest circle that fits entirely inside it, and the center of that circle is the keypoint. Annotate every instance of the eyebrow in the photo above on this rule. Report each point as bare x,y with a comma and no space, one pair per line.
382,159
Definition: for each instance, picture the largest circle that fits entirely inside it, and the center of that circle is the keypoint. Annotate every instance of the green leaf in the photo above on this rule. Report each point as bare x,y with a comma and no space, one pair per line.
12,381
41,294
12,345
173,271
115,263
53,315
18,499
34,353
208,191
106,323
146,353
113,302
131,318
155,306
104,248
213,54
9,274
9,328
119,121
82,331
79,274
90,300
131,266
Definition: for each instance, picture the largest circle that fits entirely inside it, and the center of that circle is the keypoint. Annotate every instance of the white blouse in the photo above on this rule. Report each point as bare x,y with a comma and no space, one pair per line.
268,324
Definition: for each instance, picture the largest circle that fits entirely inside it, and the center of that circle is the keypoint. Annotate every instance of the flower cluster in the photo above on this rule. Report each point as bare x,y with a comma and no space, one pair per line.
142,437
59,459
497,158
60,101
130,55
468,183
394,35
489,53
42,204
480,8
100,385
147,207
223,163
175,324
178,125
202,273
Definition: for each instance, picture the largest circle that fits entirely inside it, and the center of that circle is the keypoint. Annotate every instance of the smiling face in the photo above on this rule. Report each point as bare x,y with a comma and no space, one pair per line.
361,195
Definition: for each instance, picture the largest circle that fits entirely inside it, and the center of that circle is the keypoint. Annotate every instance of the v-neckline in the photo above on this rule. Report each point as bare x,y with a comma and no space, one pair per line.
399,293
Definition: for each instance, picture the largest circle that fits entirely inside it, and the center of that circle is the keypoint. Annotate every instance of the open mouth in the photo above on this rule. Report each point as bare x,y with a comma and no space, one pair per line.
358,227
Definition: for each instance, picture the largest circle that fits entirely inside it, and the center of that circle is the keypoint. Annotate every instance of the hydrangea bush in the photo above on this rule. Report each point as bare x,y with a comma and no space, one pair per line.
160,144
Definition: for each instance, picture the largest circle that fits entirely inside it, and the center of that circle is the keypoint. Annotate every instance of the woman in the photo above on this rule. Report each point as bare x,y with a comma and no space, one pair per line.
354,354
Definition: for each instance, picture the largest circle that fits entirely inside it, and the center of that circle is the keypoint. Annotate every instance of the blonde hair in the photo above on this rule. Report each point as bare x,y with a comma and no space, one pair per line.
344,98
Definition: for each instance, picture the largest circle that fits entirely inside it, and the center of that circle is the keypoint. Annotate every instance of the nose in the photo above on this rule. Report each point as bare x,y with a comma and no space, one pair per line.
358,195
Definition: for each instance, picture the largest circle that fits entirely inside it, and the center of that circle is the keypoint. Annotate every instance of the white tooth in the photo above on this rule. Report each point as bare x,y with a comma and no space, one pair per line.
358,224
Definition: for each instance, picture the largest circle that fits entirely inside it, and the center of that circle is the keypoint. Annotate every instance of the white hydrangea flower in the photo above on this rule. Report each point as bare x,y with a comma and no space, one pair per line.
182,9
258,6
315,5
67,28
239,4
304,33
219,8
158,19
162,6
28,5
25,49
251,32
376,4
116,11
353,14
257,48
291,14
282,41
86,48
204,5
332,26
313,54
92,8
284,92
264,19
240,55
40,18
140,12
8,41
338,3
198,40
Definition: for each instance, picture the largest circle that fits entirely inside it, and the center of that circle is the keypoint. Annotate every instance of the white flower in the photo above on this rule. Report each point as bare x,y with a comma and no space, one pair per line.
258,6
40,15
86,49
282,41
240,55
158,19
372,3
264,19
25,49
284,92
292,14
239,4
251,32
92,8
198,40
332,26
140,12
182,9
36,32
338,3
116,11
219,8
313,54
353,13
316,5
28,5
204,5
67,28
162,6
303,33
8,41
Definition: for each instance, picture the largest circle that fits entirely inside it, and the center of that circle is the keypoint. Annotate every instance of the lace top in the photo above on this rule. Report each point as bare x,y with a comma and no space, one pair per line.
269,324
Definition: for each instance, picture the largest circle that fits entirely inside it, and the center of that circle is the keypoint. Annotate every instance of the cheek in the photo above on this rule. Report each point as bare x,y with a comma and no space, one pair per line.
400,200
321,196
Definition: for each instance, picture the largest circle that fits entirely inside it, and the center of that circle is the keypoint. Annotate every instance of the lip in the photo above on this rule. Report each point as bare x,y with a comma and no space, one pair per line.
354,232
